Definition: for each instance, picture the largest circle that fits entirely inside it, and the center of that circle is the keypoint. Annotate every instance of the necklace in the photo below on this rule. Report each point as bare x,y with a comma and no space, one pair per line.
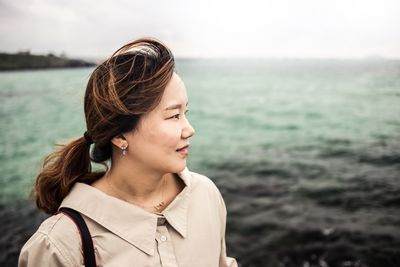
158,207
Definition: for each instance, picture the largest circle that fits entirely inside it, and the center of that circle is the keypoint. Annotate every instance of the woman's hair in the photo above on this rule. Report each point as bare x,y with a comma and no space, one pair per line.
121,89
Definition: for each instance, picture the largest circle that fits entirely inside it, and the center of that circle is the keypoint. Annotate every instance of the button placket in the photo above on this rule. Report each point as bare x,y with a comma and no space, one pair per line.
165,248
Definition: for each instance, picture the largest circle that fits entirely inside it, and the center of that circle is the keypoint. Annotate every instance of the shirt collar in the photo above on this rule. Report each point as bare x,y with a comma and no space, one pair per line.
128,221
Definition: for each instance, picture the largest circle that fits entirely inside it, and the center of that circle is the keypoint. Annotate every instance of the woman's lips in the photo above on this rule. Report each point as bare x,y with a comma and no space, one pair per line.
184,150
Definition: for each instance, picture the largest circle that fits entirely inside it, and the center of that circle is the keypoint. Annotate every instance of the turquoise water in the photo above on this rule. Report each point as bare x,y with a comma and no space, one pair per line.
305,152
38,109
238,107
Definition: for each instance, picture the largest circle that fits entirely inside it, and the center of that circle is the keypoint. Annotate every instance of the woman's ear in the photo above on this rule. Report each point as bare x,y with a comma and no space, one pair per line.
120,141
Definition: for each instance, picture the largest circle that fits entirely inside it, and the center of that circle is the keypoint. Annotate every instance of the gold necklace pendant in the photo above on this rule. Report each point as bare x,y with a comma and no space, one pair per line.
159,206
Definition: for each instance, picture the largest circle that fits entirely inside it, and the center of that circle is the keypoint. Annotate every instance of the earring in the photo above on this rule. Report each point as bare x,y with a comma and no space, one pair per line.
124,151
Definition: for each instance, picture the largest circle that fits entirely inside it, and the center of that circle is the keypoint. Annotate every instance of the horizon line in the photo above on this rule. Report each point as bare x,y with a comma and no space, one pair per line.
372,57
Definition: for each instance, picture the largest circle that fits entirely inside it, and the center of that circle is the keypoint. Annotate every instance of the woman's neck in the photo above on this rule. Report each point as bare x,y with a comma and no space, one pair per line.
135,185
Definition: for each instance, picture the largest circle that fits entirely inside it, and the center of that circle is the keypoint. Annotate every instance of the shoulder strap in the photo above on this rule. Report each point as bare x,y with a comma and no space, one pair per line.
87,243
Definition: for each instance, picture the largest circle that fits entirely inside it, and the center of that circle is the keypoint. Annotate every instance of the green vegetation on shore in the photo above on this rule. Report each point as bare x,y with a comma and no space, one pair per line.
26,61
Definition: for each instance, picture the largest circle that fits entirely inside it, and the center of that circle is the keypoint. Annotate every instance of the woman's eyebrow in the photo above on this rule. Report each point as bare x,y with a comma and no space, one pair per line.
176,106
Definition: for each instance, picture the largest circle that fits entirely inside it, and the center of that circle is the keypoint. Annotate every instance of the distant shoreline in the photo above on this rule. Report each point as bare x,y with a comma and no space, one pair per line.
27,61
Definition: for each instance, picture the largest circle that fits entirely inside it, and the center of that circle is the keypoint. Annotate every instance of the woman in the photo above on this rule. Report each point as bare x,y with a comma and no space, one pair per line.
146,208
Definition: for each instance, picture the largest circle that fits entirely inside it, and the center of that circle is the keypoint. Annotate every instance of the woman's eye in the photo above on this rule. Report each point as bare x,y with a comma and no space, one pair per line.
175,116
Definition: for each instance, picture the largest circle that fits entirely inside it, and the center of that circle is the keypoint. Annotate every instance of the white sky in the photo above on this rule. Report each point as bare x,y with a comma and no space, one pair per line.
206,28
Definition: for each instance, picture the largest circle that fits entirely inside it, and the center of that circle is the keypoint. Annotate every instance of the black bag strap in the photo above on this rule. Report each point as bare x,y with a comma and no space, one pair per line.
87,242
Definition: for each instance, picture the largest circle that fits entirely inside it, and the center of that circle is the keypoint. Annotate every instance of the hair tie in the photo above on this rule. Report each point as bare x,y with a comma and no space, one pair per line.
87,137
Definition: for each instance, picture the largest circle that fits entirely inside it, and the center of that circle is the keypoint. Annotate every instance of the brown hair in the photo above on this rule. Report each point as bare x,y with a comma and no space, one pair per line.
121,89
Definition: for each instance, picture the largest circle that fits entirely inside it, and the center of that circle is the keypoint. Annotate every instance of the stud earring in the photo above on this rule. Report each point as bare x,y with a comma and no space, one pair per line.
124,151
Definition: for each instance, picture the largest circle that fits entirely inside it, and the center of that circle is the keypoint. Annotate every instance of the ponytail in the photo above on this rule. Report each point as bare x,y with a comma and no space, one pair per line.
61,170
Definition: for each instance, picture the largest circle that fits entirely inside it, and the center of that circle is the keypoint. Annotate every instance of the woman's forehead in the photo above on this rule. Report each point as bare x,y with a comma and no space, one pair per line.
174,93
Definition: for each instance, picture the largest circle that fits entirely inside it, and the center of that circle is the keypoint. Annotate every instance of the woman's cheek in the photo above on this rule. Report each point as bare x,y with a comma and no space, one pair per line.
172,139
160,134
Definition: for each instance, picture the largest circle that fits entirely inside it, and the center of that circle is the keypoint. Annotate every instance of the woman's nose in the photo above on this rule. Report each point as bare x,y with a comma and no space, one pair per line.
188,130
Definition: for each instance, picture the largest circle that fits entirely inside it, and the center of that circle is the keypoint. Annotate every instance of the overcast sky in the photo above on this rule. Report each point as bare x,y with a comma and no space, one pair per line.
218,28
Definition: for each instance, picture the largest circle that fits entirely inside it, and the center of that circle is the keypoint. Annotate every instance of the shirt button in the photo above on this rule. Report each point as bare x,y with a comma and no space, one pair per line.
163,238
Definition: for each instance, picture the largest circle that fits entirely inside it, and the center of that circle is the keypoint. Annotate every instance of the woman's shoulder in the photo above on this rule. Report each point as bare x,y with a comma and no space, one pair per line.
201,180
56,240
204,185
58,227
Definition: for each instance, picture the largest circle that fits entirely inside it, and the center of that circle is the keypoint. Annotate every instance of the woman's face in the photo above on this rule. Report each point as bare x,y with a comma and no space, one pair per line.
162,132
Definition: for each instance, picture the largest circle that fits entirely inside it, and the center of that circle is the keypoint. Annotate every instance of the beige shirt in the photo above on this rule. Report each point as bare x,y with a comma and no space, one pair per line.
189,232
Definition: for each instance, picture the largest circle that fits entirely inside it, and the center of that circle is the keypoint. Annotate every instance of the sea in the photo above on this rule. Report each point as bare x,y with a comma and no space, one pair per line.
306,153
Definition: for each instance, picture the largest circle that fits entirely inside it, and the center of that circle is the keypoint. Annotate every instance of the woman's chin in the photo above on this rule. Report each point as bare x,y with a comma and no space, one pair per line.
179,167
